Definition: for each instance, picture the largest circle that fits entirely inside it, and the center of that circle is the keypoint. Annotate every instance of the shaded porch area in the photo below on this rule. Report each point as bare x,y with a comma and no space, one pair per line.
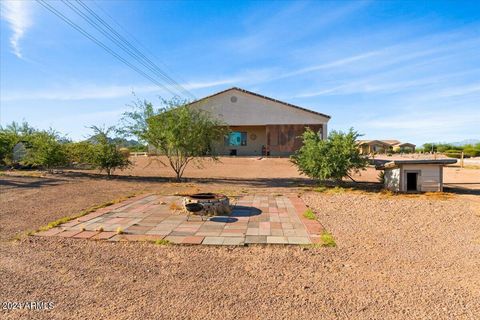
266,140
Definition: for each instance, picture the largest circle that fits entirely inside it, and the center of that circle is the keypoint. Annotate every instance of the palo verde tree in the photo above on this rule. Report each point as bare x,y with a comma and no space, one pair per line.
106,154
330,159
181,133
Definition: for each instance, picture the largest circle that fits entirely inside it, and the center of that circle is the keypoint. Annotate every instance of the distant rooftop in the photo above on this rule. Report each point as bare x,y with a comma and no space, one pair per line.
388,142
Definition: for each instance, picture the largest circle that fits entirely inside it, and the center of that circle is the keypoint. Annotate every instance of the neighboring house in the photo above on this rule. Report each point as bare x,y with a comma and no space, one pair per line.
261,125
414,175
384,146
404,147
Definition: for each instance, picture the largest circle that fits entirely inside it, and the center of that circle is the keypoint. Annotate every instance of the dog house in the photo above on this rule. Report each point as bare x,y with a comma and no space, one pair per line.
414,175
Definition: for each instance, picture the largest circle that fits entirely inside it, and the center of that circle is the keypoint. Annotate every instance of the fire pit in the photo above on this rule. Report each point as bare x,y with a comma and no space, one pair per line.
207,204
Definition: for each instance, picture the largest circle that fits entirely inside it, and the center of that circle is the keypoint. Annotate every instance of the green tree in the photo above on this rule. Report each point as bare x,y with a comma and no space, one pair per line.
10,136
330,159
181,133
80,152
6,146
106,155
45,150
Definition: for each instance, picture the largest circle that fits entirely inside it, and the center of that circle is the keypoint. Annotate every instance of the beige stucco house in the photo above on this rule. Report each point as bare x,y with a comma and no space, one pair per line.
260,125
414,175
384,146
404,147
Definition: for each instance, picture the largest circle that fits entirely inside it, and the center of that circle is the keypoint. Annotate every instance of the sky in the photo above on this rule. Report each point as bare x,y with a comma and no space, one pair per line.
406,70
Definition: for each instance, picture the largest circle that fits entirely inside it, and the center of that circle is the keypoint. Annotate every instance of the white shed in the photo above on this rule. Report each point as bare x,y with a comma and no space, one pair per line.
414,175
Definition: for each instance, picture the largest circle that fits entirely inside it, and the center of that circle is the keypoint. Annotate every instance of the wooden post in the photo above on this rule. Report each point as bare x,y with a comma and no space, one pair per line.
461,161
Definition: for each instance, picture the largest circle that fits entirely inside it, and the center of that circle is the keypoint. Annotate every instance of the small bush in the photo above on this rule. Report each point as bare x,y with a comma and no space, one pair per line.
454,155
320,189
309,214
162,242
55,223
328,240
471,152
107,155
80,152
331,159
45,149
336,189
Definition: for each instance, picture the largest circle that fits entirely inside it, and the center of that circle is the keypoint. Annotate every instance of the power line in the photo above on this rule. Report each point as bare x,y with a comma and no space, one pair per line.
137,51
113,39
101,44
123,43
138,42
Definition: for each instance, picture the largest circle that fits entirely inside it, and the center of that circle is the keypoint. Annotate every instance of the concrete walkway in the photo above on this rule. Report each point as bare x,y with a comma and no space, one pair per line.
255,219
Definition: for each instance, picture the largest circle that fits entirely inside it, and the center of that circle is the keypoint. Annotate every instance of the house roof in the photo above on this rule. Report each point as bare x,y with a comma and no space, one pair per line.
384,142
263,97
360,142
405,144
391,142
396,163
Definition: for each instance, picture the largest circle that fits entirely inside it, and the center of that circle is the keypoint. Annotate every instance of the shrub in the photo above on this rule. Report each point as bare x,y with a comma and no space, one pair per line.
309,214
44,149
333,158
328,240
162,242
470,151
107,156
10,136
80,152
453,155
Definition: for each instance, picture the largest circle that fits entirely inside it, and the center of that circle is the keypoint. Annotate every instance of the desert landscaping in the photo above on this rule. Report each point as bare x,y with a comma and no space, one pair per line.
396,256
239,159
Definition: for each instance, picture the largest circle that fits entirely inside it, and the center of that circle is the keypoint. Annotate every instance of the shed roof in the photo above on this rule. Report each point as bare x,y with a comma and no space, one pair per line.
397,163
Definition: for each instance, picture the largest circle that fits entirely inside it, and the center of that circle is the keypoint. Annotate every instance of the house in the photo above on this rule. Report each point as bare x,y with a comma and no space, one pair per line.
260,125
404,147
373,146
384,146
414,175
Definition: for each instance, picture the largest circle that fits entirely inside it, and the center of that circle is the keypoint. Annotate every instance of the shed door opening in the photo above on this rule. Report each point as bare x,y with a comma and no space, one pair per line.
412,181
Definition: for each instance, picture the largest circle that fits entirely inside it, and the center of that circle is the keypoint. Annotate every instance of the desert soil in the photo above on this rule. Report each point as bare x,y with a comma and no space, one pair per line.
397,257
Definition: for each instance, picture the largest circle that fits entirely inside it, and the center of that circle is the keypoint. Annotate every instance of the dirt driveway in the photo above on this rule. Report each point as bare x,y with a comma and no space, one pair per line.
397,257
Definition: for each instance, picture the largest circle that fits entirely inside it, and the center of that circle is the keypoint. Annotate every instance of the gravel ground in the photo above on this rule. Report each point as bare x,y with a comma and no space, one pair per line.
397,257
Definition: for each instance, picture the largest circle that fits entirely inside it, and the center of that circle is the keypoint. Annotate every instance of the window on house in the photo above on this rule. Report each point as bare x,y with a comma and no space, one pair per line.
236,138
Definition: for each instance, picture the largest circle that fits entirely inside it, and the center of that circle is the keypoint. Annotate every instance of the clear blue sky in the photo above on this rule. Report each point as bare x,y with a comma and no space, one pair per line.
407,70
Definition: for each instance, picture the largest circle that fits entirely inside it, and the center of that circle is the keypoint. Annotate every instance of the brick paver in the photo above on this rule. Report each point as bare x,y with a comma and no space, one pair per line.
85,234
255,219
50,232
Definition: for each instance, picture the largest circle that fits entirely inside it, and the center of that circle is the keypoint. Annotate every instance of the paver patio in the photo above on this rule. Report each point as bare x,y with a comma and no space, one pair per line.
255,219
